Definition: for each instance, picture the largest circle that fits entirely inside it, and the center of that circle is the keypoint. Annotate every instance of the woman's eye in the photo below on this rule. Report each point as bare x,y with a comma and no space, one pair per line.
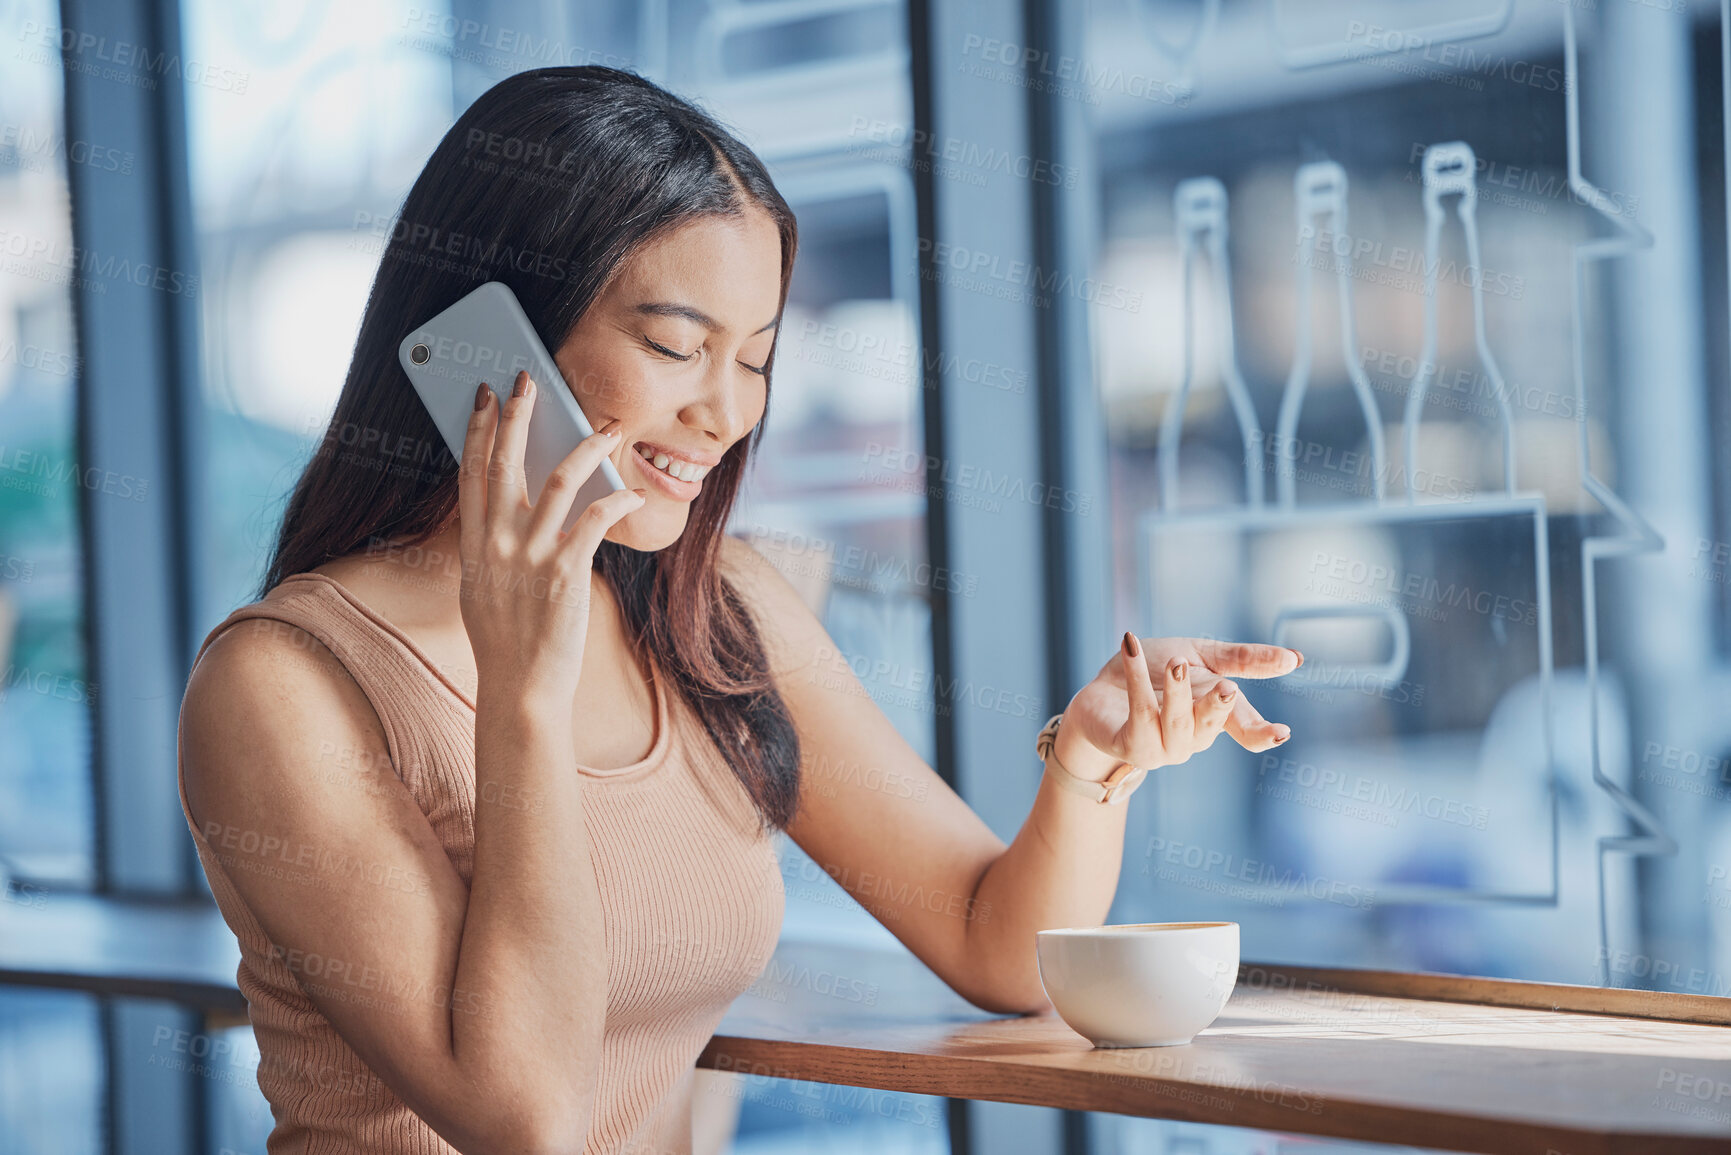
665,351
760,370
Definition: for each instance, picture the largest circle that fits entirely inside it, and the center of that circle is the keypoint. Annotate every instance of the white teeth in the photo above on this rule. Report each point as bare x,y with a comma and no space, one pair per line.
684,470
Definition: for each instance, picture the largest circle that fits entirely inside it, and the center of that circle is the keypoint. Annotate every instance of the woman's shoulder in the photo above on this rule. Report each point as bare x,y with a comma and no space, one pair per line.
265,694
267,655
786,621
247,641
755,578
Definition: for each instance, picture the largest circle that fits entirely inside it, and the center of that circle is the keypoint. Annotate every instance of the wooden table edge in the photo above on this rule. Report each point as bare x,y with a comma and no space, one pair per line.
218,1000
963,1077
1432,986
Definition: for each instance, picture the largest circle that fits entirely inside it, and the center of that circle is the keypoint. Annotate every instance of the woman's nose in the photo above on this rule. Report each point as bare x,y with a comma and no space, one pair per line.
720,408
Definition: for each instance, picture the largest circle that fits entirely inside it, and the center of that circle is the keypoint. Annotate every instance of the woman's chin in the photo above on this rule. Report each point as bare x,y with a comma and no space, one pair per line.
650,528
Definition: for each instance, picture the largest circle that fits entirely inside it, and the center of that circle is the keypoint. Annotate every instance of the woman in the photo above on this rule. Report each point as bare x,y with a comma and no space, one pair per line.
489,806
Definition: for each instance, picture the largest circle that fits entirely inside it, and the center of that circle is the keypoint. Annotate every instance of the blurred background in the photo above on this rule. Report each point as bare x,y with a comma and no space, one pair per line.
1387,329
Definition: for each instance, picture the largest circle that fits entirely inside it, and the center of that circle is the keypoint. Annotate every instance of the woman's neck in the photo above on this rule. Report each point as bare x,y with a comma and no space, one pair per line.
419,582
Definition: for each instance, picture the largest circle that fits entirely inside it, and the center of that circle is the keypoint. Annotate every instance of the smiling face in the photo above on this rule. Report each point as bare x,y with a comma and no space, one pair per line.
674,347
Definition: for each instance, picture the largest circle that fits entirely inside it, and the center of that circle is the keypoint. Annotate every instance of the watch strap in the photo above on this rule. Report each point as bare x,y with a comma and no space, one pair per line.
1110,791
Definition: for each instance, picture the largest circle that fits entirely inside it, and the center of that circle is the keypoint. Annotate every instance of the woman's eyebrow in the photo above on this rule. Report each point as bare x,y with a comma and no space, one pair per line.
672,309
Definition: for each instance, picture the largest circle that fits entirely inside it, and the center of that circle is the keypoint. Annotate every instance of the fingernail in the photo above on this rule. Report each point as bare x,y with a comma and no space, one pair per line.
520,387
611,429
1227,691
1130,646
1279,738
1177,670
481,395
641,492
1300,659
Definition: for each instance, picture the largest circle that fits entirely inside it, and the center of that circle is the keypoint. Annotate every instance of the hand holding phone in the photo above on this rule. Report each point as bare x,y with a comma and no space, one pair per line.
486,338
526,589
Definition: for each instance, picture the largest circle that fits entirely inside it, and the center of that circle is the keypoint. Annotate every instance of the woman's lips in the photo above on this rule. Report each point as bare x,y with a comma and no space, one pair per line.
665,482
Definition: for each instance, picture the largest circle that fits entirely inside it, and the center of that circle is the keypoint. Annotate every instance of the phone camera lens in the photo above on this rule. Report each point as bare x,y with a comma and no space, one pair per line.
419,354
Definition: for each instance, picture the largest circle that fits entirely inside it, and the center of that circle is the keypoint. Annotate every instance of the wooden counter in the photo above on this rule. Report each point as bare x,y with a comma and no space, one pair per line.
1295,1050
1427,1060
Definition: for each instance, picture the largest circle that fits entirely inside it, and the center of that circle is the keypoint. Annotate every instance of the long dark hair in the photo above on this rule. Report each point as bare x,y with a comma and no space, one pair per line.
547,183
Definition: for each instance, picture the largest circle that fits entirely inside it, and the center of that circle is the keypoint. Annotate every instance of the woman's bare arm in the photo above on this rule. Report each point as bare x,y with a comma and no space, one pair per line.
880,821
482,1008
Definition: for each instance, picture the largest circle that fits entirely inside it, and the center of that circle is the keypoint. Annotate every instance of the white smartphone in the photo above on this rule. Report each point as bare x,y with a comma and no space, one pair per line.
487,337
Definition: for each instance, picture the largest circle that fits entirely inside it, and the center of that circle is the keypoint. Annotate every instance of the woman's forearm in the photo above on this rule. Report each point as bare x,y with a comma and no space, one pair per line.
1061,870
532,965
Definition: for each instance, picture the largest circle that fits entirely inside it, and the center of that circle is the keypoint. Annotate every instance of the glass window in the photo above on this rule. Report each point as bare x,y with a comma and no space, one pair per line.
282,173
52,1086
47,826
284,176
1424,379
51,1056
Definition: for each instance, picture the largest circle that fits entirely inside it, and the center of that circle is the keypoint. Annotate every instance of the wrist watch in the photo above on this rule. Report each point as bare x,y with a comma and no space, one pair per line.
1116,786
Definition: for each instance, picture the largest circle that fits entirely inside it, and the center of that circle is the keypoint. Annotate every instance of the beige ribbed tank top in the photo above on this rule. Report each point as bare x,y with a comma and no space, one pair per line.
691,896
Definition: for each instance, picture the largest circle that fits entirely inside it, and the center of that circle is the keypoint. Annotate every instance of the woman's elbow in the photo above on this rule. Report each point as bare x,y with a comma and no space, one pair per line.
1006,997
544,1132
546,1124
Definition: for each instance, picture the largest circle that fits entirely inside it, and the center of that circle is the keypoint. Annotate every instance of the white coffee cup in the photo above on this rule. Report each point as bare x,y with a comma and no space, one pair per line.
1147,984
